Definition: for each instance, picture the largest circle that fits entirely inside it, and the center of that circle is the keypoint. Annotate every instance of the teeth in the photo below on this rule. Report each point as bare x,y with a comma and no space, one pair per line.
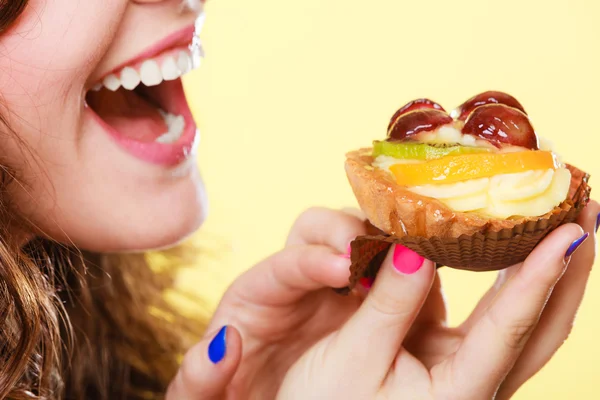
169,69
184,62
176,126
151,72
111,82
129,78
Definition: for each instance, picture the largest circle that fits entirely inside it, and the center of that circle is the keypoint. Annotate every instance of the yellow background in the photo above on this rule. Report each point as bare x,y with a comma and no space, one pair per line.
288,86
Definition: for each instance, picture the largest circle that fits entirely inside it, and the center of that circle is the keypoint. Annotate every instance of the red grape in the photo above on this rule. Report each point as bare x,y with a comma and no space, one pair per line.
490,97
415,105
501,124
417,121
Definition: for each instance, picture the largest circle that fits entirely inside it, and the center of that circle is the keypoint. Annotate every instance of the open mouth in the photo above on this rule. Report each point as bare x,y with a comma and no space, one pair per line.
143,107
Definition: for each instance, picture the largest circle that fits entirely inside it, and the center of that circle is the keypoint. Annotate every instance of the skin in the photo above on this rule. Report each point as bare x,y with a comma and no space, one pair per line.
74,183
392,341
286,327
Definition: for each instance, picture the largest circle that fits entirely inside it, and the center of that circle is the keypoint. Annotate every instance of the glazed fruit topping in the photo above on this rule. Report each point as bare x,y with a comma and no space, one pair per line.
490,97
501,125
411,123
465,167
493,116
415,105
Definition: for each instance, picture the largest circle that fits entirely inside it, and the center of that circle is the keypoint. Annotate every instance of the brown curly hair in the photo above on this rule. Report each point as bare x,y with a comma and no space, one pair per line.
78,325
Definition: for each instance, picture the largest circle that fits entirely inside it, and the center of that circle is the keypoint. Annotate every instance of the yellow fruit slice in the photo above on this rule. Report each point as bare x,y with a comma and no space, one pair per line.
459,168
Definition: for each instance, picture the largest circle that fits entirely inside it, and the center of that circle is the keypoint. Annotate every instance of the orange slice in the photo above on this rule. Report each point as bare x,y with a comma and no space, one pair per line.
452,169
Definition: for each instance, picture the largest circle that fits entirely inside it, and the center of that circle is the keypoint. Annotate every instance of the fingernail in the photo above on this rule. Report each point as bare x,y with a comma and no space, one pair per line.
366,282
407,261
348,251
597,222
575,245
218,346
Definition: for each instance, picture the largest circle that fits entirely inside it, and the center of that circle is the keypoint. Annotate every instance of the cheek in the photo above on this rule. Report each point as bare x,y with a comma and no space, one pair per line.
46,58
51,52
92,210
65,37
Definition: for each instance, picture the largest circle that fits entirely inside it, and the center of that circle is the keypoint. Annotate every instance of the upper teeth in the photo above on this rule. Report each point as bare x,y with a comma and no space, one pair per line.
150,72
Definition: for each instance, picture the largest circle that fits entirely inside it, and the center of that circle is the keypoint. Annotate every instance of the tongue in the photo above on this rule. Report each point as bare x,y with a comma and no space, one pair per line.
128,113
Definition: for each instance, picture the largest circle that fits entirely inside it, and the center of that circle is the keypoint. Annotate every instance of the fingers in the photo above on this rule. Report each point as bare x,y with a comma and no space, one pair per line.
315,257
434,310
208,367
485,301
356,212
326,227
496,340
291,273
559,314
375,332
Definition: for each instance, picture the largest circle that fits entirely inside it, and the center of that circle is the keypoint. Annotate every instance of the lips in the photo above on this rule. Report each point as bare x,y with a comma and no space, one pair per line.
141,104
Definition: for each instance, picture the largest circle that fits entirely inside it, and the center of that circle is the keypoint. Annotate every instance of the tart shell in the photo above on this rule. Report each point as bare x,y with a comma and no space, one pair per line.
461,240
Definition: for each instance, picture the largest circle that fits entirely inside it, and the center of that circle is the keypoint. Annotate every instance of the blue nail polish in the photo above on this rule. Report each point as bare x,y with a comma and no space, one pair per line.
597,222
218,346
575,245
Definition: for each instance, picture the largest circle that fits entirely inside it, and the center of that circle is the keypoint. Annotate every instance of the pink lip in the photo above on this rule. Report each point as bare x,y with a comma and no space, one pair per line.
183,37
165,154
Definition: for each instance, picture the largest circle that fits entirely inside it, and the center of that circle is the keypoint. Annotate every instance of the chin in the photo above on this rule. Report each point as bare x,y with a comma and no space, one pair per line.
165,239
149,217
154,236
160,224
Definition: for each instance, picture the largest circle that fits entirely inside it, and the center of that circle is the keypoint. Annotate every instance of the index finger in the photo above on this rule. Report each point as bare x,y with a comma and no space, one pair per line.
287,276
328,227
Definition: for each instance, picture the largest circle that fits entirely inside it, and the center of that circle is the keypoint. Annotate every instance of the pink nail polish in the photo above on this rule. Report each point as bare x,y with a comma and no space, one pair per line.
407,261
366,282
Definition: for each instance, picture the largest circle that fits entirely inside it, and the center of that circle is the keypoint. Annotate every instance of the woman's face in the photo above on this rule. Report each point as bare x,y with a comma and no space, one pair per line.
103,161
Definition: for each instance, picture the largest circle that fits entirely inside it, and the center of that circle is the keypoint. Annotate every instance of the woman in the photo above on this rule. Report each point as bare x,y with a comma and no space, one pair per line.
98,164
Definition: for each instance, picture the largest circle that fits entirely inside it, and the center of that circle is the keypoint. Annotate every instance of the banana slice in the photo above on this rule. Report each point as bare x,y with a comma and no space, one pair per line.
520,186
474,202
453,190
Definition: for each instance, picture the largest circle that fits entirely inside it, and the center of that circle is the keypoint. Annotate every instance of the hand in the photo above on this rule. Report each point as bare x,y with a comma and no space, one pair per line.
398,344
278,309
289,310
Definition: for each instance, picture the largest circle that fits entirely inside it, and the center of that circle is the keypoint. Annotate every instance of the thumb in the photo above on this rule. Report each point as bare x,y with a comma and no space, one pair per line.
208,367
386,315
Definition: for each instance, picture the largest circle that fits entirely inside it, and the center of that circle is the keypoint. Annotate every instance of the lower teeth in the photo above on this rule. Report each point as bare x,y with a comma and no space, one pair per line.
175,124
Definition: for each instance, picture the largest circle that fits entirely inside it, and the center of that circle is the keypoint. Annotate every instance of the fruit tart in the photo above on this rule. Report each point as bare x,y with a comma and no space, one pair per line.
473,189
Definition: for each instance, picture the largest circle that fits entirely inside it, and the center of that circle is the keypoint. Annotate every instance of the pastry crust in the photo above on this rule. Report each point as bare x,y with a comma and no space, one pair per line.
399,212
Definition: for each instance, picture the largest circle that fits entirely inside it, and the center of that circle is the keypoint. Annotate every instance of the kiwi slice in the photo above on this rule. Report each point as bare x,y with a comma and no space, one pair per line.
421,151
